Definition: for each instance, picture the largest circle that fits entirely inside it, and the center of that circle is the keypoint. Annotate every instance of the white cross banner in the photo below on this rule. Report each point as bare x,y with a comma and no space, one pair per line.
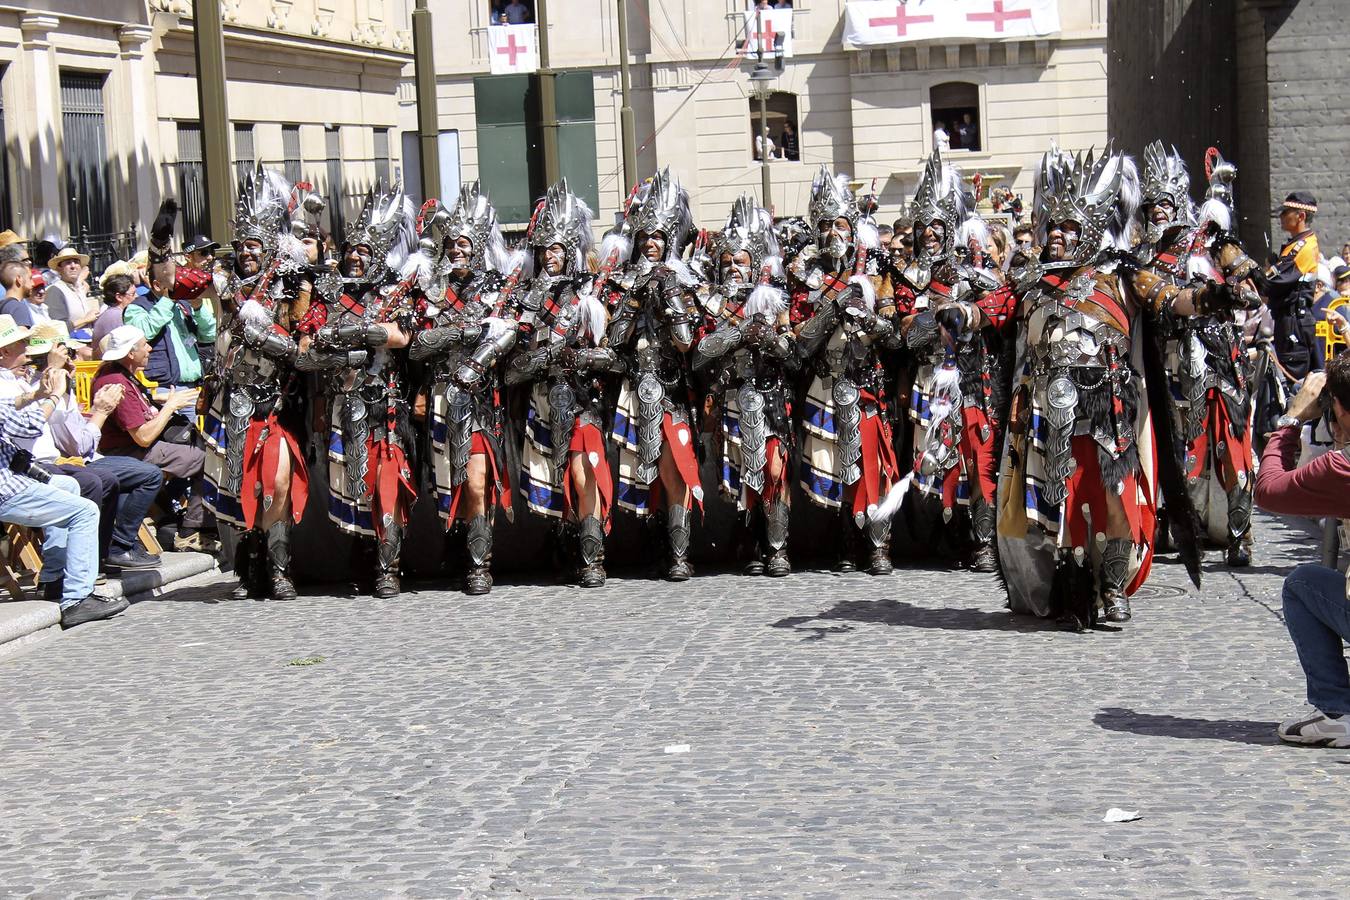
776,24
512,49
868,23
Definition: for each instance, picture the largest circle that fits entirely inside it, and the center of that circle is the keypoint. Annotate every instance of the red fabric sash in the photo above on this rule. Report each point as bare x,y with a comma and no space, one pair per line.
262,458
879,469
1086,488
1237,452
590,443
494,492
389,483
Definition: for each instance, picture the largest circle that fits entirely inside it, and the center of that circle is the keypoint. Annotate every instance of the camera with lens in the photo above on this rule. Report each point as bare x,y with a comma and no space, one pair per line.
22,464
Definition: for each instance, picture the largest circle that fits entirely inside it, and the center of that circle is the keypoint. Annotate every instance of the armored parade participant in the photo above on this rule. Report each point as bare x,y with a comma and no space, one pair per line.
1077,513
746,357
848,462
653,325
565,360
365,326
953,313
462,336
256,477
1206,361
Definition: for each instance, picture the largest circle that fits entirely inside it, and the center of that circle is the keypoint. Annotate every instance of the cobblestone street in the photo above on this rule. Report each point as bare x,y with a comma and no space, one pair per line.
819,735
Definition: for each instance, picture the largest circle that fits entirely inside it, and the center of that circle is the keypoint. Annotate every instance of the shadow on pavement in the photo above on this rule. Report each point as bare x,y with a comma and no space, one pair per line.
898,612
1238,731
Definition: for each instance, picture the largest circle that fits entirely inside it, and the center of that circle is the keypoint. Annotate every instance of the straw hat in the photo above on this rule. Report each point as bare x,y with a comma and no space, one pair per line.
11,331
46,335
8,237
66,254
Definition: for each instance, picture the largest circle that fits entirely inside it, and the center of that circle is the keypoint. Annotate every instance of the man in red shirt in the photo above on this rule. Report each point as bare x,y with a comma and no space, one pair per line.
156,435
1316,608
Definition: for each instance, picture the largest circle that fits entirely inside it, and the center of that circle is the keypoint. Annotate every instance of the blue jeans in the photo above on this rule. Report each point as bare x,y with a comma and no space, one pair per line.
139,483
1318,618
69,526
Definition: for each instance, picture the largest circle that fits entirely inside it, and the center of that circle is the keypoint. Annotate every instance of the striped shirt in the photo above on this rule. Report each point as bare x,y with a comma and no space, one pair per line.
16,425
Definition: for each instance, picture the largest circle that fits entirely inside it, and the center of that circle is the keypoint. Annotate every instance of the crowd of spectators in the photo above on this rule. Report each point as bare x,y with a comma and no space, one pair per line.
88,476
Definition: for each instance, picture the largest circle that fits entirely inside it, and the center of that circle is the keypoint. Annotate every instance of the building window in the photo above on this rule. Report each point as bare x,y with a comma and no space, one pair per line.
332,141
510,12
781,114
243,152
290,152
191,179
956,116
383,169
88,198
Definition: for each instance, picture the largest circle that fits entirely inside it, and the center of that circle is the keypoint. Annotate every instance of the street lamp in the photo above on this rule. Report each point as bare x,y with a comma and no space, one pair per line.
761,86
762,78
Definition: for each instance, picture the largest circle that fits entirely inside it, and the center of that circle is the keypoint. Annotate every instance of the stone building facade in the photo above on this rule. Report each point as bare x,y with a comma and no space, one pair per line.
100,105
867,112
1259,79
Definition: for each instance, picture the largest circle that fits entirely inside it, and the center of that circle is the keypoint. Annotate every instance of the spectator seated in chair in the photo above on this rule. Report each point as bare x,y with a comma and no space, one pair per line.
32,497
123,487
1316,608
161,437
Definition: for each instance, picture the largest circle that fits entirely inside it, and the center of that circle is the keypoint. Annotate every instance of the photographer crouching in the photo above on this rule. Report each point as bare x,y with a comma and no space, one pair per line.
1316,609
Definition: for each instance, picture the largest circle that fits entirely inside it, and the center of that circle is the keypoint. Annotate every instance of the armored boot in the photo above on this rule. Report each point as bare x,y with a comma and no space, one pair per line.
776,536
847,546
1115,563
677,531
879,538
1162,533
1239,527
386,562
478,577
982,558
752,529
279,559
248,566
592,545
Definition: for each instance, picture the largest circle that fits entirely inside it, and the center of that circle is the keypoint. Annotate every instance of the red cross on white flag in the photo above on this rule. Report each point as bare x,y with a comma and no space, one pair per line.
868,23
512,49
770,27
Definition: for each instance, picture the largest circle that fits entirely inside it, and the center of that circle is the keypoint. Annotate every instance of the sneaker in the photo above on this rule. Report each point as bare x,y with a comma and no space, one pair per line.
91,609
1317,730
133,558
52,590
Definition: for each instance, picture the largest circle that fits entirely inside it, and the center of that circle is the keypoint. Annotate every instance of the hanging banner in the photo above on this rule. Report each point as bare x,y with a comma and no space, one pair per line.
776,25
512,49
869,23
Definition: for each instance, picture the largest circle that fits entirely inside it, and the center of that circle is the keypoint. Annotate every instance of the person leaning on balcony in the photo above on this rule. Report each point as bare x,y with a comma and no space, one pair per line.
174,317
34,498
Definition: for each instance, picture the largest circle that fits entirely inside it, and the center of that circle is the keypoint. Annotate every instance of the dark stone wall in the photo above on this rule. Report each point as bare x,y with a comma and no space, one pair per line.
1309,109
1171,76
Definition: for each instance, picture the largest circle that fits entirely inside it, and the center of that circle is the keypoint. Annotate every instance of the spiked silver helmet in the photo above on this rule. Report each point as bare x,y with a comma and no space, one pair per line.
473,217
662,205
564,218
938,198
1165,178
387,225
831,199
1100,195
748,228
262,212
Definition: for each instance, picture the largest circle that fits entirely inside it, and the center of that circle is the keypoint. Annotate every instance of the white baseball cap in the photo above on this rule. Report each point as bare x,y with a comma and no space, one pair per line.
119,342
